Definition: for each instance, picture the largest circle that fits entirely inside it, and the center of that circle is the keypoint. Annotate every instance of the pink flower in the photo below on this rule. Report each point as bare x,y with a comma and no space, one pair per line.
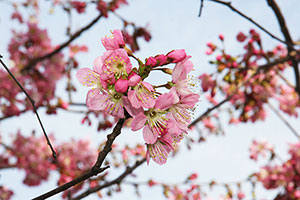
142,95
110,102
115,64
181,111
79,6
154,120
177,55
181,69
90,78
160,150
113,42
207,82
179,76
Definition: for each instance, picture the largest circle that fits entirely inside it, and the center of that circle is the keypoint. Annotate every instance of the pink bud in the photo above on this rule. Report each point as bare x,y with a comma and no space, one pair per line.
241,37
162,59
121,85
219,57
177,55
134,80
240,195
151,62
221,37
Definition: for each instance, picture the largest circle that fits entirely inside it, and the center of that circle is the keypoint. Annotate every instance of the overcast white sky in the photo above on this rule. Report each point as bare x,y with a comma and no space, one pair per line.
173,25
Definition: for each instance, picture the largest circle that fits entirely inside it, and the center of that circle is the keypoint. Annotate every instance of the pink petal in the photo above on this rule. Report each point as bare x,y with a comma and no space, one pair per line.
97,66
133,100
87,77
149,136
98,102
130,109
91,94
134,80
138,121
190,100
165,101
181,69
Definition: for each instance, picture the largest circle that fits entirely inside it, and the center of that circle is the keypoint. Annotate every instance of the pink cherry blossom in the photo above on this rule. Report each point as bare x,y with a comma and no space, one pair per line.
113,42
116,64
142,95
154,120
110,102
160,149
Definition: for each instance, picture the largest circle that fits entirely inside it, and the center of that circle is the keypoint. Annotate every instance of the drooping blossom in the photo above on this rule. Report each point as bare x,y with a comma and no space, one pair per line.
154,120
160,149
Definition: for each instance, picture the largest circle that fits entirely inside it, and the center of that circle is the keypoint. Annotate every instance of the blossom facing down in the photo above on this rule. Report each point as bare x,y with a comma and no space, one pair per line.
160,150
154,120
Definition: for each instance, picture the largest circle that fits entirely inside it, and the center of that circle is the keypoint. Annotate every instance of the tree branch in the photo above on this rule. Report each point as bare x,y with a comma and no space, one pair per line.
117,180
33,105
95,169
228,4
288,39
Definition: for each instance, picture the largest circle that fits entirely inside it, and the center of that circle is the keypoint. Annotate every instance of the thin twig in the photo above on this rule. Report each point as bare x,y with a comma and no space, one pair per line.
201,7
33,105
288,39
117,180
228,4
96,169
284,121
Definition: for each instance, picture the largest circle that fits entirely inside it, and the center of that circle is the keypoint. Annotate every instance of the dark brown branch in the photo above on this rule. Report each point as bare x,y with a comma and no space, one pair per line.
228,4
261,69
117,180
201,7
33,62
33,105
95,169
288,39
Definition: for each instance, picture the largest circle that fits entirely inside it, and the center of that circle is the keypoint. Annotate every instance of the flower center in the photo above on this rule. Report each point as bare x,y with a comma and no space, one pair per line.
117,96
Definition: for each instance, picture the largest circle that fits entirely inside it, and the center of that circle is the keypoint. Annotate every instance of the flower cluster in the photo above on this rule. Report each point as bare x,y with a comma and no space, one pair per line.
40,82
238,77
284,175
117,85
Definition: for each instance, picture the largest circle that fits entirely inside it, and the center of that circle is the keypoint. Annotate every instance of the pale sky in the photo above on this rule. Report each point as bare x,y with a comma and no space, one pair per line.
173,25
